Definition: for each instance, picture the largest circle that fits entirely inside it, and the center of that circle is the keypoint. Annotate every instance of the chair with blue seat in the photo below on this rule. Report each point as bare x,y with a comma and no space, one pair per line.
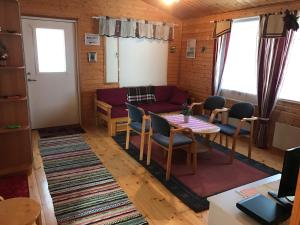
243,112
169,138
139,123
208,107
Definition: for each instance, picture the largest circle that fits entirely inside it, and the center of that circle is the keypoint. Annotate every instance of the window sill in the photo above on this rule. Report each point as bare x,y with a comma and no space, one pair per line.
239,96
236,96
283,101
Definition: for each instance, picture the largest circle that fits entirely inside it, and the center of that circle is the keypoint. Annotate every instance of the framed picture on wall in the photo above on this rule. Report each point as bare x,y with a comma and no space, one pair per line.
191,49
92,57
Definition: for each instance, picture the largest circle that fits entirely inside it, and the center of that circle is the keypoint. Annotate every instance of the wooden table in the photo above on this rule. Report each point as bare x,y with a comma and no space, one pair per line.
20,211
199,127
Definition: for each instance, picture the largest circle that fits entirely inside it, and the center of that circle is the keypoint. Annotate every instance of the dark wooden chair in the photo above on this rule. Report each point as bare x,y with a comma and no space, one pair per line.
243,112
208,107
169,138
139,123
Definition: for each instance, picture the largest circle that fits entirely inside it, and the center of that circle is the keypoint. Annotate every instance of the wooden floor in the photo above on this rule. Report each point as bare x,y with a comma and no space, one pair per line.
152,199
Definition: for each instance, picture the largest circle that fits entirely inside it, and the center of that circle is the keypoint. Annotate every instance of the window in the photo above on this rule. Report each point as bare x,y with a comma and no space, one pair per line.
51,50
240,72
291,79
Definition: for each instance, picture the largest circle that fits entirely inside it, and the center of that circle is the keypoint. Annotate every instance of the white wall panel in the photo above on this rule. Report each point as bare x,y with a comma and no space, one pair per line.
142,62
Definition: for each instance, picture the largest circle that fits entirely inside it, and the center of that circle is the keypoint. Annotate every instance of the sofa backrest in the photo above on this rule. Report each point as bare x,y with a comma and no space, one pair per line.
118,96
112,96
163,93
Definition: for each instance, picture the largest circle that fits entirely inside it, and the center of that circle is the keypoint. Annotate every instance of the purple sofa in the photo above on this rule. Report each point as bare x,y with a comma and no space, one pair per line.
110,105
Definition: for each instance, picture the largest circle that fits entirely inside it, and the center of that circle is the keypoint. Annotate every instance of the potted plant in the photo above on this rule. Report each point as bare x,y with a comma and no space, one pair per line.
186,112
3,54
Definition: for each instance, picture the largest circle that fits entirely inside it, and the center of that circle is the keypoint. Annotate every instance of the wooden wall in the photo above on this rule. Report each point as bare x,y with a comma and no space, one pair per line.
196,74
91,76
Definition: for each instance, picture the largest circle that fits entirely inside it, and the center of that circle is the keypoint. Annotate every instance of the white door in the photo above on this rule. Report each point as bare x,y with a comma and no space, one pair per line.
50,58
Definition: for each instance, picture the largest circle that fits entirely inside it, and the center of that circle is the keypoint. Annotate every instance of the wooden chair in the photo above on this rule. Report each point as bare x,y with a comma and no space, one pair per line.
168,139
139,123
208,107
244,113
20,211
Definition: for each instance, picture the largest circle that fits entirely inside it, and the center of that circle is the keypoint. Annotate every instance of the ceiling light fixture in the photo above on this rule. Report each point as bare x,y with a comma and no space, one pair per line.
170,2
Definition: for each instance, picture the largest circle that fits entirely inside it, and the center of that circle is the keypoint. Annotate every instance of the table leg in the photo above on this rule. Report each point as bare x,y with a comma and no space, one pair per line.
188,156
221,139
194,153
207,143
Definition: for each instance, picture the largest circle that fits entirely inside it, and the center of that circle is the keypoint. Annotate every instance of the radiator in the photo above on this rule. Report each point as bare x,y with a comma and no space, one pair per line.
286,136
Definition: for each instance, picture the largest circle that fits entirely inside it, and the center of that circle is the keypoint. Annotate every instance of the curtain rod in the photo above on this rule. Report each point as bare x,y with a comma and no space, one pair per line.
271,13
98,17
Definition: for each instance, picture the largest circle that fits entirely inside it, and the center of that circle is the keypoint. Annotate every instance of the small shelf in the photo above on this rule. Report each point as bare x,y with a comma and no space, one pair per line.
5,130
10,34
21,99
12,67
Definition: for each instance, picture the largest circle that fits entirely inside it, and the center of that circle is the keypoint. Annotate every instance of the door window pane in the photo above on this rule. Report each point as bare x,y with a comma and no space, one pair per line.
51,50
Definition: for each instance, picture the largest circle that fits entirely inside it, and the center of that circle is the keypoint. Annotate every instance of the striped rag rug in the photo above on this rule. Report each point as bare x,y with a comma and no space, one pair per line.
82,190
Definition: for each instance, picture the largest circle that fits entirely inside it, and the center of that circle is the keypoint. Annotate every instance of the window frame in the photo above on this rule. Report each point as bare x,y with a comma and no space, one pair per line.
37,68
238,95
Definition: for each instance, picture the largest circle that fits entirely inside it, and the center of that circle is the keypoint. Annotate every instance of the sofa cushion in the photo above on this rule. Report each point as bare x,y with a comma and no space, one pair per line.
163,93
112,96
179,97
119,111
142,94
160,107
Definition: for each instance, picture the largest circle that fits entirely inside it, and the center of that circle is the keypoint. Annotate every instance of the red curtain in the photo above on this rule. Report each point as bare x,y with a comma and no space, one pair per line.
272,56
220,55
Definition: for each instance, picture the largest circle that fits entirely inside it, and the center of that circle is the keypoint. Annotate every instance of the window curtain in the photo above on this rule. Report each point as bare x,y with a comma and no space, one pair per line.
131,28
221,44
273,50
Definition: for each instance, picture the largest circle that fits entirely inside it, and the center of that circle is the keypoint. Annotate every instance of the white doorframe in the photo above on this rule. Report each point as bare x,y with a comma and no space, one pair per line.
77,66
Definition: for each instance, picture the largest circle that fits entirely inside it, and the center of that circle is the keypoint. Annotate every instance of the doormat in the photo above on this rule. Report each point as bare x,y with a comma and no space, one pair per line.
60,131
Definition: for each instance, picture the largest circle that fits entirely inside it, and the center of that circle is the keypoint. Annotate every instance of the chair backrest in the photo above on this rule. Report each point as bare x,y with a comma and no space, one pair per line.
241,110
135,113
214,102
159,124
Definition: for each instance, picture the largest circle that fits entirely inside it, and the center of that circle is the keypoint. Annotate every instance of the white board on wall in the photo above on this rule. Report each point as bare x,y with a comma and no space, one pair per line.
142,62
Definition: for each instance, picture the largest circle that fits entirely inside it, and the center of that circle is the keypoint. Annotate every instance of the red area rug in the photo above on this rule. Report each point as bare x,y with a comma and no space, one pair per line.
214,175
14,186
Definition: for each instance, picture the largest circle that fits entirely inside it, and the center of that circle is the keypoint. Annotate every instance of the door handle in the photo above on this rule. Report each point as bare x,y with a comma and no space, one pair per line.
31,80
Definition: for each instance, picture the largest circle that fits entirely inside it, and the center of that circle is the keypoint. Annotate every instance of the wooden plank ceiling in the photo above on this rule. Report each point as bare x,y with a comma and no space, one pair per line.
185,9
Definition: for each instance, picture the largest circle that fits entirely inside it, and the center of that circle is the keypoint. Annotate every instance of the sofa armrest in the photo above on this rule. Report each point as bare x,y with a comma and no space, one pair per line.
103,105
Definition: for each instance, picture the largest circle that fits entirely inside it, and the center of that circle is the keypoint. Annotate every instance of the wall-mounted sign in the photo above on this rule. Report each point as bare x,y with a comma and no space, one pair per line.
191,49
92,39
